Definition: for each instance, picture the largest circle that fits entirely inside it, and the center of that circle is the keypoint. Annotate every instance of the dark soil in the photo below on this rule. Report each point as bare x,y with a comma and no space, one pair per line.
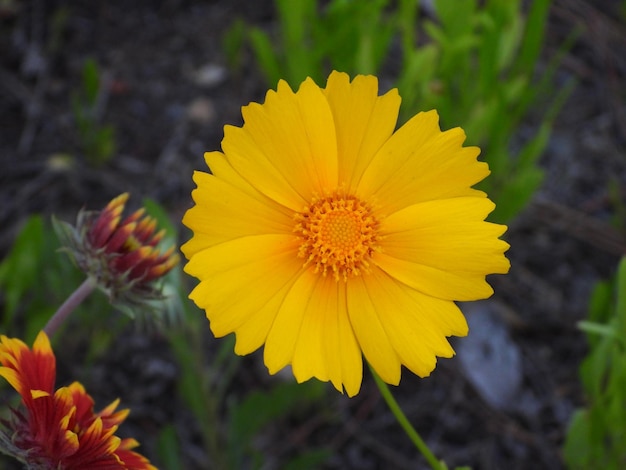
168,94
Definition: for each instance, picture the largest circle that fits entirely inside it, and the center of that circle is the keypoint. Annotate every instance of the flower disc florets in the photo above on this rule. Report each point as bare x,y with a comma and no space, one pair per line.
339,234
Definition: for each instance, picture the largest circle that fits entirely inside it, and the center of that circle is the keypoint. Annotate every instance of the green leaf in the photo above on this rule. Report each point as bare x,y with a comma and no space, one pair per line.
533,36
456,17
233,44
531,152
620,309
598,329
593,368
603,374
191,382
510,33
20,270
295,20
162,217
168,448
265,56
418,73
515,194
577,442
599,308
91,82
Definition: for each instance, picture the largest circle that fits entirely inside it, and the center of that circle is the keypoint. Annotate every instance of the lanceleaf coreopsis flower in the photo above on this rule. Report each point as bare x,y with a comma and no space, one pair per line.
59,429
123,256
325,235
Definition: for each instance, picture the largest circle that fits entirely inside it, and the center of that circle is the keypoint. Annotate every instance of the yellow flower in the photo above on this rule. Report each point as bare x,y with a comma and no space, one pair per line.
325,235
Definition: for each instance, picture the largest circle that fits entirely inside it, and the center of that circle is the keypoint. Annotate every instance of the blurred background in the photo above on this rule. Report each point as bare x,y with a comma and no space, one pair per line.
103,97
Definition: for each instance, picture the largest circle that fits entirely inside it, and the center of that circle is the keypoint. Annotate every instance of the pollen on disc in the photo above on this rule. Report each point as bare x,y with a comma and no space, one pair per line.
338,235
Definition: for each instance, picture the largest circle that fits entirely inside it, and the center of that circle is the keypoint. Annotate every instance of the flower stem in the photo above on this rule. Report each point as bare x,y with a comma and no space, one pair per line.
69,305
406,425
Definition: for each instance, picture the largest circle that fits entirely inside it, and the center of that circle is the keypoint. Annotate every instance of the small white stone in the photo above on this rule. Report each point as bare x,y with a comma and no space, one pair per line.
209,75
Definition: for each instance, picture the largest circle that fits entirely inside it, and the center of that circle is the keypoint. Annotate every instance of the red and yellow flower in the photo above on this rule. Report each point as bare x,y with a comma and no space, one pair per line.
58,428
122,255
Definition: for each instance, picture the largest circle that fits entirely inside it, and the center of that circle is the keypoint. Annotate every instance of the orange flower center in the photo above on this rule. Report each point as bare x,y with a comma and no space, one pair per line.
339,235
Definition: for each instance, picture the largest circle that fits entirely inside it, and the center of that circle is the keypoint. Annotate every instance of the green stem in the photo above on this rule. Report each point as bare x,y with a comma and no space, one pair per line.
406,425
69,305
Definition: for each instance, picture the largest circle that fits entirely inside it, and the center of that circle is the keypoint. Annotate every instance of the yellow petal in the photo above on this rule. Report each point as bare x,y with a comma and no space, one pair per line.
444,248
223,212
248,159
39,394
309,359
326,347
363,122
283,335
12,376
223,170
287,146
11,351
241,278
266,298
252,333
448,233
435,282
370,332
416,324
421,163
42,344
349,350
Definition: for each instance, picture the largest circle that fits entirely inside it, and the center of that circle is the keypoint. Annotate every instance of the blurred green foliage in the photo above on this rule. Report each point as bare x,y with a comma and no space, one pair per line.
34,280
97,141
346,35
596,437
259,409
476,63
